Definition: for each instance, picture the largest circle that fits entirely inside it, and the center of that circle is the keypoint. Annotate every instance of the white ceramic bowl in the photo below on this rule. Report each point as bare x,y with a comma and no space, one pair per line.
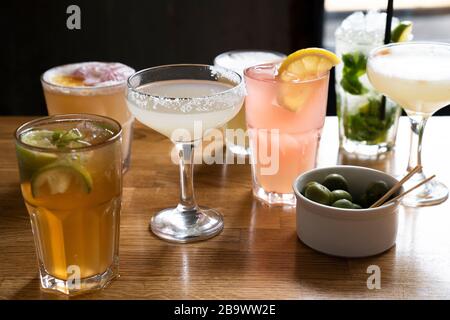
346,232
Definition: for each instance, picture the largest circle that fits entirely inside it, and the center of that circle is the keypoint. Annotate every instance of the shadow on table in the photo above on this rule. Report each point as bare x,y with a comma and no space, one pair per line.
383,162
335,277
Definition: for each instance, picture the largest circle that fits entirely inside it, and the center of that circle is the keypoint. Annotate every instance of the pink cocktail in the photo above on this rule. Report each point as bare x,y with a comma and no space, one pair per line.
284,121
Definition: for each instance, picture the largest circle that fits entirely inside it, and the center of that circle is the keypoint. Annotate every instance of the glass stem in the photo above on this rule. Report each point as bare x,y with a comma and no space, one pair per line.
415,156
186,158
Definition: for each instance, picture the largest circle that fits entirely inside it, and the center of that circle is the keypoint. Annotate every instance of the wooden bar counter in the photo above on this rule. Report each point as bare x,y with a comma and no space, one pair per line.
258,254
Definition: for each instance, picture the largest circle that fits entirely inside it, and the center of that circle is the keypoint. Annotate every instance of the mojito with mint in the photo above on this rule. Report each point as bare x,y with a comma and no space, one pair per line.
368,121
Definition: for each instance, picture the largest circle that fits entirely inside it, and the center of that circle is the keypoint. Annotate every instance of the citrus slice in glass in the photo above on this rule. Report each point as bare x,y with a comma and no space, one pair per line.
29,160
60,177
305,65
403,32
38,138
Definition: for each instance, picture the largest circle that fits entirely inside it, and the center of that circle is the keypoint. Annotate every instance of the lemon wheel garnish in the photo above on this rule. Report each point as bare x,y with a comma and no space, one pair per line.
58,177
307,64
302,65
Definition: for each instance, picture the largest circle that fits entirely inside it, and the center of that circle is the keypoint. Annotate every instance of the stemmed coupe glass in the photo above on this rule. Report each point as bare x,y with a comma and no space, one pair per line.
178,101
416,75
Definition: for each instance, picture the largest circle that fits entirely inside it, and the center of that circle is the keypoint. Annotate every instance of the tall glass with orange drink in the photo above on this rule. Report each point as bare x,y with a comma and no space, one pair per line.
70,171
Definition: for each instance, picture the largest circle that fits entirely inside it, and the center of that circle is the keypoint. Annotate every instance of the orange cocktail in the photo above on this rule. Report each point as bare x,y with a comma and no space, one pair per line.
95,88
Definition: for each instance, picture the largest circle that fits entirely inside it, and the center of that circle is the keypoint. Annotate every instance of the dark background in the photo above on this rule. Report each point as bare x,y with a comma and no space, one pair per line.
141,34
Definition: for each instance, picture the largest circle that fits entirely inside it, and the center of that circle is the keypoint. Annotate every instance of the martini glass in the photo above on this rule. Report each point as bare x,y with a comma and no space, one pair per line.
183,102
416,75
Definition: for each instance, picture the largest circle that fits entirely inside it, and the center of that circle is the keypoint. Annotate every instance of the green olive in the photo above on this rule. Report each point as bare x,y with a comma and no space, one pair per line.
341,194
335,181
343,203
363,201
356,206
307,185
375,191
318,193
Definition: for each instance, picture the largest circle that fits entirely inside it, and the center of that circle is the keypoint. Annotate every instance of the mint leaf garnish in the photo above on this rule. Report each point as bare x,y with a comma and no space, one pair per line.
62,138
367,125
354,67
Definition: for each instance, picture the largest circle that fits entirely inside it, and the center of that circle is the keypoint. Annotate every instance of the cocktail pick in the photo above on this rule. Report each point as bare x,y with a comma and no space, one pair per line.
396,186
409,190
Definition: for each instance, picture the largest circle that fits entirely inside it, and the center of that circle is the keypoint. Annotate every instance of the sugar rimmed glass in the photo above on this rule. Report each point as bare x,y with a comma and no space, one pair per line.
173,100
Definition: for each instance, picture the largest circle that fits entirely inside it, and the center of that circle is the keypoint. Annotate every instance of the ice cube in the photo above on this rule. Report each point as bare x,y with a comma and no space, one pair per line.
364,28
94,132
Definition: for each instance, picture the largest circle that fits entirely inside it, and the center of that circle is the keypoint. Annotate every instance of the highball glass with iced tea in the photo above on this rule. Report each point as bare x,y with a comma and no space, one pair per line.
70,176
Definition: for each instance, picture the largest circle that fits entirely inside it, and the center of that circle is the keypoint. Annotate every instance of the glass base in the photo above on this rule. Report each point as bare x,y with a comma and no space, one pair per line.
274,198
175,225
85,285
431,193
237,149
362,148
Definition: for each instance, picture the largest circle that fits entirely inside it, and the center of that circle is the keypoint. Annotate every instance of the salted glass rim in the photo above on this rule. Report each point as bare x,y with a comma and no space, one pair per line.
223,70
69,117
407,43
247,73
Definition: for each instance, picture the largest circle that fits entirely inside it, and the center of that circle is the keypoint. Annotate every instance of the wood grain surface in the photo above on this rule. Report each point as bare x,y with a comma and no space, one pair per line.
258,255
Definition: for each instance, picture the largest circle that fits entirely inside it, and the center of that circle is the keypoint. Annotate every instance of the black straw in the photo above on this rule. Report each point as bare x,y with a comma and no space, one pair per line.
387,39
389,14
